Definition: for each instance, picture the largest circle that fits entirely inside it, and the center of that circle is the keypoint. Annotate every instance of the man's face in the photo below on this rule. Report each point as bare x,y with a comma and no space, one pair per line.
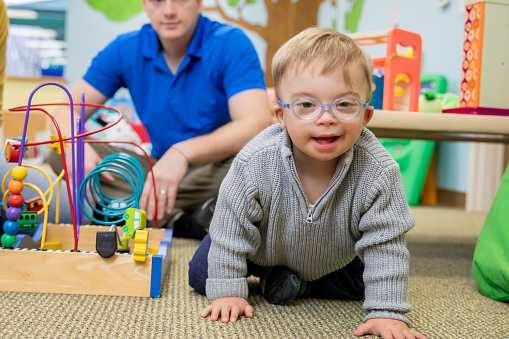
173,20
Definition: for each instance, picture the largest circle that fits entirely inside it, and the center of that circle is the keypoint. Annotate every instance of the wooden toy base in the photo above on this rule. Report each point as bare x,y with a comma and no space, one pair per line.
85,272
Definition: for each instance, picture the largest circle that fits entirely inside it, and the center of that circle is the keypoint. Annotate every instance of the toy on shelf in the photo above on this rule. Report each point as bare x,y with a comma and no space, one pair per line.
395,65
484,71
32,261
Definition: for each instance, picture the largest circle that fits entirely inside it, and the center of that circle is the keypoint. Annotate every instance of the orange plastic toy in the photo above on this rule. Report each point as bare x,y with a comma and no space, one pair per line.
394,64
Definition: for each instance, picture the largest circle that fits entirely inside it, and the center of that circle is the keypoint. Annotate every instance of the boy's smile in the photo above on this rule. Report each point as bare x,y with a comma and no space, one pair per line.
326,137
325,141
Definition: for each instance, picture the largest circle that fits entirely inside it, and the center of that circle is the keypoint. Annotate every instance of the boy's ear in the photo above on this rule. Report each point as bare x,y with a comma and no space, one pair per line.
278,112
368,114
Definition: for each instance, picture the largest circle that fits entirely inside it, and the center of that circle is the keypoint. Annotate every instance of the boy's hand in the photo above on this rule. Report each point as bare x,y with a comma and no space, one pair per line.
228,308
387,329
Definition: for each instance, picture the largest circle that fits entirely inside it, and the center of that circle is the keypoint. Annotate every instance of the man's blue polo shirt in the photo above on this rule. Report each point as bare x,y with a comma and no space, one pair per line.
220,62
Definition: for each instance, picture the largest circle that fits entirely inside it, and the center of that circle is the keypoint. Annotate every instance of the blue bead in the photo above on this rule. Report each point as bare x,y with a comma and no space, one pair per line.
11,227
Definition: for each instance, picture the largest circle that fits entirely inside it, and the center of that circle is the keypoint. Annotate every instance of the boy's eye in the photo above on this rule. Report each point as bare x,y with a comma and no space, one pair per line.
344,104
348,106
307,104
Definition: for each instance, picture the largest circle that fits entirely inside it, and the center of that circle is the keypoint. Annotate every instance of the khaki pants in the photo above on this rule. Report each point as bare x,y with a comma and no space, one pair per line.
199,184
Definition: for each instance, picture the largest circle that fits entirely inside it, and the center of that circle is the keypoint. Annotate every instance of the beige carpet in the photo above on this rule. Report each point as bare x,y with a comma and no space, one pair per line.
446,301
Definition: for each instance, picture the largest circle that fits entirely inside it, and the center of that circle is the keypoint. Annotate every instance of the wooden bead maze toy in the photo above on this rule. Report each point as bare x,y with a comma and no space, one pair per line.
98,260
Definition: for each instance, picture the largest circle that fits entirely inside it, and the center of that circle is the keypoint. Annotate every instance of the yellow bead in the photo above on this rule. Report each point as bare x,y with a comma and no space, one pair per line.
19,173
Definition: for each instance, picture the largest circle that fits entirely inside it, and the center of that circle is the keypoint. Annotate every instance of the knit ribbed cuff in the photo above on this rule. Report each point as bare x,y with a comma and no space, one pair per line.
224,288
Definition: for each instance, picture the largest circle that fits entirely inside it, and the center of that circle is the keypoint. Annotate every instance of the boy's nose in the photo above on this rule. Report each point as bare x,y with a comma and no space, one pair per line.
327,116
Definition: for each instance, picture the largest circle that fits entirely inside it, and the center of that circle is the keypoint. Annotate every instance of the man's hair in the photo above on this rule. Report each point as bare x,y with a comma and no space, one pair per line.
324,49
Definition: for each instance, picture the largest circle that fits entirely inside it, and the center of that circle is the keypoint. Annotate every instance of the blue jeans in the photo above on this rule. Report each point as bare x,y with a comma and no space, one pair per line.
345,283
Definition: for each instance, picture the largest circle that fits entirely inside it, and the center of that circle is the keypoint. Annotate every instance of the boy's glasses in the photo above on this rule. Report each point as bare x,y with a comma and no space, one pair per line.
309,108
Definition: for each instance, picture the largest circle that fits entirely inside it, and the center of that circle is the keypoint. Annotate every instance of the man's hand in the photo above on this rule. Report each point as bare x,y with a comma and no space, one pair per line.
387,329
168,173
91,160
228,308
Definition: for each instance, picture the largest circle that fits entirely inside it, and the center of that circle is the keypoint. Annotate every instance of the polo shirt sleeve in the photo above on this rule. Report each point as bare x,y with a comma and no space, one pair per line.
240,64
105,73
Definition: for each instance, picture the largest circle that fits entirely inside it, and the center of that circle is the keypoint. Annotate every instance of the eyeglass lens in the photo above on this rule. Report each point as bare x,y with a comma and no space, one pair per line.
307,108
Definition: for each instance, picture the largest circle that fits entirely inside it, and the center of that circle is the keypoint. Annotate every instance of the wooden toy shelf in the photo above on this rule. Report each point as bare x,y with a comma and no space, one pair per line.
86,272
440,126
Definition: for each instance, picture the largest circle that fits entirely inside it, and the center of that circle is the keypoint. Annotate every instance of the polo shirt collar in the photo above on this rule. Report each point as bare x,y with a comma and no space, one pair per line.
149,42
195,47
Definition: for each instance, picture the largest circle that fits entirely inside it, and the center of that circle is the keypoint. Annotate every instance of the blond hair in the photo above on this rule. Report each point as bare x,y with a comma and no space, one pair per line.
313,45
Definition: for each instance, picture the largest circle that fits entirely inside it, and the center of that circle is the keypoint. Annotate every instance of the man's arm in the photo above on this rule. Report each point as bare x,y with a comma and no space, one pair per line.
62,113
250,114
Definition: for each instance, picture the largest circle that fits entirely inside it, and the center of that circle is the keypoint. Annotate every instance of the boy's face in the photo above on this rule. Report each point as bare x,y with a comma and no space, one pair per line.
326,137
173,19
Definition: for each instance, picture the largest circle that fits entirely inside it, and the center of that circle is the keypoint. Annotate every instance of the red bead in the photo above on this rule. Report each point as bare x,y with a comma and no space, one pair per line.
16,200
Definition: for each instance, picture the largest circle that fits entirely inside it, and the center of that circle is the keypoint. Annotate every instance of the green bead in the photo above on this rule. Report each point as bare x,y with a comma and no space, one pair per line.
8,240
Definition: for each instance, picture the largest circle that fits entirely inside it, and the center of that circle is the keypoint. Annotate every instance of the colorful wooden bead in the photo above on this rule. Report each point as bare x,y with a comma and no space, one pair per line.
10,227
12,150
13,213
15,186
19,173
15,200
8,240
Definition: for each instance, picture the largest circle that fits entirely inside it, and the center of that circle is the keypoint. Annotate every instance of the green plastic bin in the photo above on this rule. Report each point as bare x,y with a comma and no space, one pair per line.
413,157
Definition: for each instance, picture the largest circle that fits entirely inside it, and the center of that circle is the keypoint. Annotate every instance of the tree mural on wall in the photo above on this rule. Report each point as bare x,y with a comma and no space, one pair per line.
285,19
117,10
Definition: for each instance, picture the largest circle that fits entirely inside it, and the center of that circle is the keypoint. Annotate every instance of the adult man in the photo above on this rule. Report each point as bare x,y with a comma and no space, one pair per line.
199,90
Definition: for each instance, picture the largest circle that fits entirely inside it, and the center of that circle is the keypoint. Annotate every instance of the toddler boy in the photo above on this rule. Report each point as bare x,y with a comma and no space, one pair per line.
313,205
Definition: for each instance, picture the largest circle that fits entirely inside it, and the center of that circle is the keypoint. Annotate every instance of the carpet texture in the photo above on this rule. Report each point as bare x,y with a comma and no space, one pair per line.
441,289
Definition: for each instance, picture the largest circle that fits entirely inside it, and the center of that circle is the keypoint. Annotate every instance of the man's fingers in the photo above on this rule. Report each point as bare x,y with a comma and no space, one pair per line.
171,195
161,203
147,191
107,176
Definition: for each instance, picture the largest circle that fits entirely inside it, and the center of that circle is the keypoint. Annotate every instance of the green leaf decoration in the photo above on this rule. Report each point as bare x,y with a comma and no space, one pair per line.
117,10
352,17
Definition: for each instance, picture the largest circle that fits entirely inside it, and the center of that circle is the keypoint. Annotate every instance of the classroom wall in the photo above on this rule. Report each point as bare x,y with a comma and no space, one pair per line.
441,29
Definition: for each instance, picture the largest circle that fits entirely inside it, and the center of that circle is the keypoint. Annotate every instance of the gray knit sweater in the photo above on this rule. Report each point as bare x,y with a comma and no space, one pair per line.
262,214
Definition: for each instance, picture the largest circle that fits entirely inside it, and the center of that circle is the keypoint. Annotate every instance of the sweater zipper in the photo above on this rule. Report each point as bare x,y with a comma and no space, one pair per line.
309,219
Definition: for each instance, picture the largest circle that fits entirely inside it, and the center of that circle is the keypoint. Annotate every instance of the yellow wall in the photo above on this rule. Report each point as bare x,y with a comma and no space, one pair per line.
16,93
